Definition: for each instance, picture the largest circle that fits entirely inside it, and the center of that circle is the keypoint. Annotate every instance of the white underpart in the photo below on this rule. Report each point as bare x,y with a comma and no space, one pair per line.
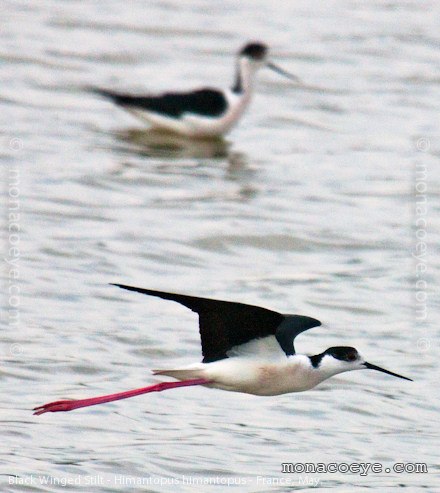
253,376
193,125
262,373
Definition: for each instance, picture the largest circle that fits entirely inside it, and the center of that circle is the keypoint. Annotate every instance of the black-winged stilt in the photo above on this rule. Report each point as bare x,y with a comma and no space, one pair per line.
245,349
205,112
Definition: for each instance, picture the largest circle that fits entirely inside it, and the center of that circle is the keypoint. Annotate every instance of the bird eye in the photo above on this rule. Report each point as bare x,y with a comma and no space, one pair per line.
351,356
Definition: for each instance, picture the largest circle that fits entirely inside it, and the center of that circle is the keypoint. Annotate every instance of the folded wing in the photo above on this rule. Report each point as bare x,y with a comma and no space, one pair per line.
205,102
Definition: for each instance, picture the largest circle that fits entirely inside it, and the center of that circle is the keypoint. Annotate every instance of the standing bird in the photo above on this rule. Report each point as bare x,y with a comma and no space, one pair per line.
203,113
245,349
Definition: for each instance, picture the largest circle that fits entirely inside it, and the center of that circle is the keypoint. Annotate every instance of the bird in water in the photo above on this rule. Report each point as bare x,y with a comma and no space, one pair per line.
245,349
202,113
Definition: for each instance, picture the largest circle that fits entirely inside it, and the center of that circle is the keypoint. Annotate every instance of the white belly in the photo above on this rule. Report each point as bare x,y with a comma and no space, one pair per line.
262,378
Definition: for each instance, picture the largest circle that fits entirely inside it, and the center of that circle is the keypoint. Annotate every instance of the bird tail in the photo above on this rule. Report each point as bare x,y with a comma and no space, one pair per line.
182,374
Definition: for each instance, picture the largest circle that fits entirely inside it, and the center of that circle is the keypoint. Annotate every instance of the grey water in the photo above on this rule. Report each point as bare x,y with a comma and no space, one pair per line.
324,201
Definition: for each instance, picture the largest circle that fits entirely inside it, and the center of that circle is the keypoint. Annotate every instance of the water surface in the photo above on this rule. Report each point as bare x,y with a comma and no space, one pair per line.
308,206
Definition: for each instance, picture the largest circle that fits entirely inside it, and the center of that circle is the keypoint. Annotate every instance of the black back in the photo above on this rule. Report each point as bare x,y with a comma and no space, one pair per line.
225,324
206,102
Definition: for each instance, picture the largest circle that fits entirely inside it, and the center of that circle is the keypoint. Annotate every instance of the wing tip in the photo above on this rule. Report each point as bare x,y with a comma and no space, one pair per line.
309,321
149,292
124,286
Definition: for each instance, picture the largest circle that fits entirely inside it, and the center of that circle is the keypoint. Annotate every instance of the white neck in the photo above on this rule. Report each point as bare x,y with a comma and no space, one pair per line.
330,366
245,75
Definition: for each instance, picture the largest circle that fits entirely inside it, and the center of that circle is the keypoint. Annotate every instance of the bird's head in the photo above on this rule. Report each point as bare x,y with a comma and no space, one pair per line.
255,52
255,55
339,359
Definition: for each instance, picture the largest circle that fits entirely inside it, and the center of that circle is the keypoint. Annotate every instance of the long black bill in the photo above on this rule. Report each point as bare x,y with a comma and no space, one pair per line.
283,72
378,368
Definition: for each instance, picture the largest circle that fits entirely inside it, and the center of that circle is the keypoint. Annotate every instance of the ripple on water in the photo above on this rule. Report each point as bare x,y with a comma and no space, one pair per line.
306,206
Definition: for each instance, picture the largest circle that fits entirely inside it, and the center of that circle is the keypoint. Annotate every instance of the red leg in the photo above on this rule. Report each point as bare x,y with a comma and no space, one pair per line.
69,405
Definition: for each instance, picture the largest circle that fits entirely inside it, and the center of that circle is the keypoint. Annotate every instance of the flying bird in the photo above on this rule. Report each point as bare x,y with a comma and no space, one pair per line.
245,349
203,113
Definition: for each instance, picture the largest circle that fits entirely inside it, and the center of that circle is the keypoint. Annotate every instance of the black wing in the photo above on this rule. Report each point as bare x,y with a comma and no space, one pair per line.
225,324
206,102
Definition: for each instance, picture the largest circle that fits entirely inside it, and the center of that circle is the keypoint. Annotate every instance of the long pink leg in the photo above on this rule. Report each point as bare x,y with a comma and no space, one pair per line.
69,405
